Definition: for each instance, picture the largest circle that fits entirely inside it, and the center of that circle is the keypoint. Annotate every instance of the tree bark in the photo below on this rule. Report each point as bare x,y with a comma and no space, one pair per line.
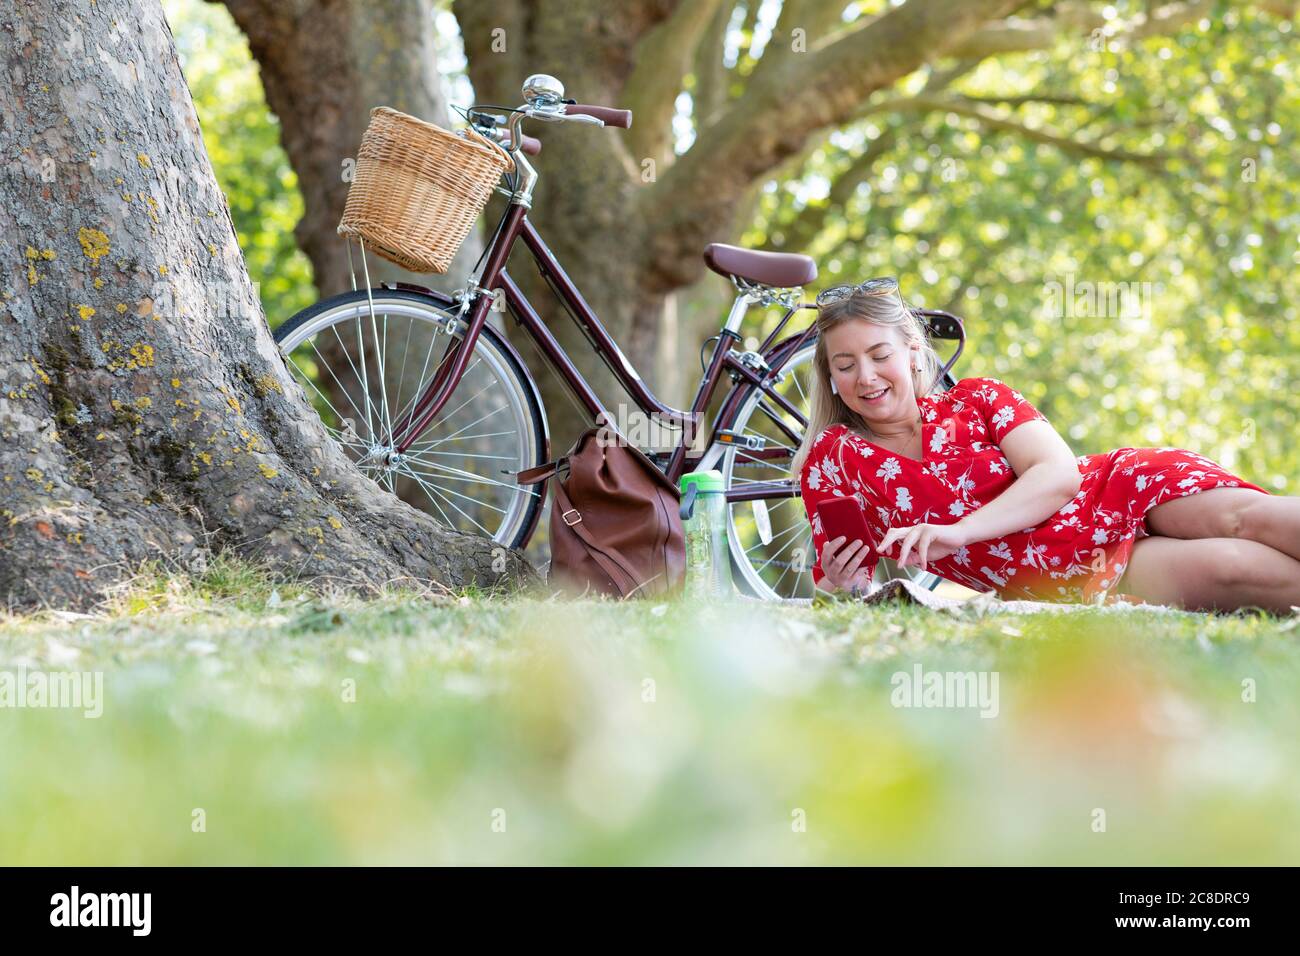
145,412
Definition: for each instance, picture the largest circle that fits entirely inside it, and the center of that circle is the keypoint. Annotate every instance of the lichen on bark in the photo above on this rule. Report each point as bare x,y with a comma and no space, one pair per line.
145,412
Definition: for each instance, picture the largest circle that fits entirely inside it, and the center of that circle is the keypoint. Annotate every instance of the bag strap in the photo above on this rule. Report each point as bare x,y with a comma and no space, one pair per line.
530,476
608,557
557,468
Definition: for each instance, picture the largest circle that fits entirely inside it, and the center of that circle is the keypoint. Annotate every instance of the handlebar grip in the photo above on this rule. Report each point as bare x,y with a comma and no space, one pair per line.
606,114
529,144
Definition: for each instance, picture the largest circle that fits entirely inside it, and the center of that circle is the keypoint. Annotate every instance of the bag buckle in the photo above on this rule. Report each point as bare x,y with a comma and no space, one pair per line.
565,517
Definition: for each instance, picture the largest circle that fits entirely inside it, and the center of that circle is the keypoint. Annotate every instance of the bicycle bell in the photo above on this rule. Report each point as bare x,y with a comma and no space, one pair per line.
545,92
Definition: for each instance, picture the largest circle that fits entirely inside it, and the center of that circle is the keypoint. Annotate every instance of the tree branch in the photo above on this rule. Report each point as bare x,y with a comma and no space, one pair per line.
747,27
1041,33
779,111
1005,124
1167,19
799,233
663,57
710,92
1046,99
495,72
808,224
817,19
1020,35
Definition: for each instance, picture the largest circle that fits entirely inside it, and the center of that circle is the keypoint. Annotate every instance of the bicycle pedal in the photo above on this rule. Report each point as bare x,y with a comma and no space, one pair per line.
747,442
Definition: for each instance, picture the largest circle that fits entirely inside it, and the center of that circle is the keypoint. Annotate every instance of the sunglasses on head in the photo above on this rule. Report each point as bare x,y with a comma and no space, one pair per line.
881,285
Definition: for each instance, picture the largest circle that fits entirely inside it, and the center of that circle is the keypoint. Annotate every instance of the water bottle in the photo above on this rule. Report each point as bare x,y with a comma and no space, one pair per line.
704,526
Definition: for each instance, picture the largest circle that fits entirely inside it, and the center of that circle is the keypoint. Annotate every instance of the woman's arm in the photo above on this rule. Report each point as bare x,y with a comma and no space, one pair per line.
1047,477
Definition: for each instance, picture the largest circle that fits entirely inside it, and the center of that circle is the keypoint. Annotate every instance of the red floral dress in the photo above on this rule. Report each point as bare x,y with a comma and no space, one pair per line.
1076,555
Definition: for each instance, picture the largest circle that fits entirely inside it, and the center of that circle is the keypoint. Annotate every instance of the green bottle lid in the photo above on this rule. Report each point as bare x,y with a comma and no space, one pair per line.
705,481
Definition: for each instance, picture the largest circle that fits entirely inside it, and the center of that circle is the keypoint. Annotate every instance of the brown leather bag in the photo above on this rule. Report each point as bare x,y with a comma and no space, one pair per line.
615,525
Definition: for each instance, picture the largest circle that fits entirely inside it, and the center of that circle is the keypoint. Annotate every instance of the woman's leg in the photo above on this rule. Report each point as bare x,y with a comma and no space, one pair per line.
1211,574
1273,520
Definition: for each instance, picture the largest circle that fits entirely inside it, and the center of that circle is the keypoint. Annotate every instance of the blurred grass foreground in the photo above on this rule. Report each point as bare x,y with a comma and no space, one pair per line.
246,725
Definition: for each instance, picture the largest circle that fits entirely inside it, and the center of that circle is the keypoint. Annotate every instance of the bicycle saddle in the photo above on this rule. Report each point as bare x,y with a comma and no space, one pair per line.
783,270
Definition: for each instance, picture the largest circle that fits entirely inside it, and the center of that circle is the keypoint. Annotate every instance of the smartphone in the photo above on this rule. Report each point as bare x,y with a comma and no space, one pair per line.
844,517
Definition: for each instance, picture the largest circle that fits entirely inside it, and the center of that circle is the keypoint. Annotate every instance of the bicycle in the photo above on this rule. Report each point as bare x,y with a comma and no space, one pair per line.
404,443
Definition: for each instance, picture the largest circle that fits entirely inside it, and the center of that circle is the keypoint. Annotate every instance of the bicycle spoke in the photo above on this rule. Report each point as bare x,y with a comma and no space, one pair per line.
434,478
456,474
414,399
411,403
387,420
365,381
381,364
435,491
446,518
401,380
468,454
764,565
779,422
793,527
324,398
447,415
777,586
346,393
750,481
355,374
424,449
471,425
803,397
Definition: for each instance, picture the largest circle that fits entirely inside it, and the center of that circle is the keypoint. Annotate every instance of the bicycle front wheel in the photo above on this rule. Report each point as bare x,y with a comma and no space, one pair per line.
364,360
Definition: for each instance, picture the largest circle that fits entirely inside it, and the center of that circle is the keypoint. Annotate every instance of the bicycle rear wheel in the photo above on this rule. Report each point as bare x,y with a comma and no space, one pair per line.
364,370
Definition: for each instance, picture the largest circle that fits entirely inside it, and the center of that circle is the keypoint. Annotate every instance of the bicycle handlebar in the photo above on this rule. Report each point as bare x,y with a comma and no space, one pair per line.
609,115
578,112
529,144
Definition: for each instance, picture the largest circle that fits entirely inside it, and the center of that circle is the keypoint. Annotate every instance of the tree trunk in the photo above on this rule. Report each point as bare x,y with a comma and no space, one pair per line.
325,65
145,411
589,179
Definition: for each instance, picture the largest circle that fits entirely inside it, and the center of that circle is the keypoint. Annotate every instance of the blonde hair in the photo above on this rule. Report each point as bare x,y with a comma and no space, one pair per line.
827,408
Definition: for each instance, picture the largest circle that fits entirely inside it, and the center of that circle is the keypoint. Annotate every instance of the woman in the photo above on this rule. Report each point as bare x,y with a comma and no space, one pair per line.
975,485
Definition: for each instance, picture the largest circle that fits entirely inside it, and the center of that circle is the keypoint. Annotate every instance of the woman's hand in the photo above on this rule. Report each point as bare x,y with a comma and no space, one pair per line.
842,564
923,543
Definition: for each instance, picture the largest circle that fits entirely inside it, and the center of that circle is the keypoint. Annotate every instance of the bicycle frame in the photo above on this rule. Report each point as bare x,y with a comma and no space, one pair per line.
747,367
494,276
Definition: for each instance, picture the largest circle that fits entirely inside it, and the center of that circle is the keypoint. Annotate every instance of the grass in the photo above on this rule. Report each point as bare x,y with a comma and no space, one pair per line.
246,724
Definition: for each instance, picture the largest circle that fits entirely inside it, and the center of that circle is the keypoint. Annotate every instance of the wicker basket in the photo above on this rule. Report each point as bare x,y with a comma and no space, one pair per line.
418,189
